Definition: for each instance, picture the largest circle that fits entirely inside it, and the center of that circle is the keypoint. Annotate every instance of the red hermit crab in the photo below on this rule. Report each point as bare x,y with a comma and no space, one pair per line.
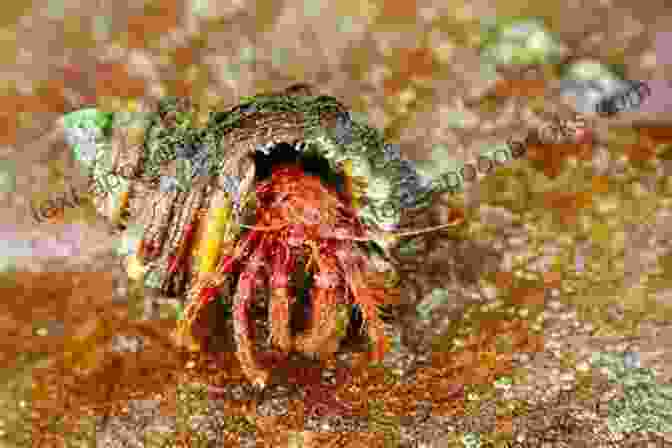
298,215
232,209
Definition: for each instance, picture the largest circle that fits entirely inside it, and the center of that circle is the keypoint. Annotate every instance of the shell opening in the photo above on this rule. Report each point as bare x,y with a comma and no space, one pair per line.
285,153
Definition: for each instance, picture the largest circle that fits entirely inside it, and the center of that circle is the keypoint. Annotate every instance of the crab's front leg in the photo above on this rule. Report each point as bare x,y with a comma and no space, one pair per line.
329,318
242,326
216,243
369,293
281,299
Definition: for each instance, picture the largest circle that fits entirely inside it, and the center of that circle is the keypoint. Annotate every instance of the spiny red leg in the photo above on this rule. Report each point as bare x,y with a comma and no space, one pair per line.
205,287
280,300
368,297
243,329
322,337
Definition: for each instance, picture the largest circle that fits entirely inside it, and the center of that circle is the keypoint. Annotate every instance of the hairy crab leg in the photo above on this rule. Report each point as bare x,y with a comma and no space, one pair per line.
202,290
243,327
329,319
178,258
281,299
210,282
368,297
205,287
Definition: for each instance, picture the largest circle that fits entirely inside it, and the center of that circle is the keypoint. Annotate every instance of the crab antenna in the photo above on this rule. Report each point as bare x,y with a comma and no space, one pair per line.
262,228
427,229
389,235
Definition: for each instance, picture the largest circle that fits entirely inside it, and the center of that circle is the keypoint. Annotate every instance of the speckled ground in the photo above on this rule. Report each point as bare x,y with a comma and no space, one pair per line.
564,255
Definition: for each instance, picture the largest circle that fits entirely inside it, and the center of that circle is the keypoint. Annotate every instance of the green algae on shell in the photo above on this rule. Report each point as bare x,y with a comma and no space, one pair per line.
311,123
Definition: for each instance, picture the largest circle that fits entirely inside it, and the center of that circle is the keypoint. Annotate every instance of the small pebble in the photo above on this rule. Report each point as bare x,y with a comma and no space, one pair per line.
567,377
490,292
523,357
583,366
123,343
571,315
516,241
555,305
631,360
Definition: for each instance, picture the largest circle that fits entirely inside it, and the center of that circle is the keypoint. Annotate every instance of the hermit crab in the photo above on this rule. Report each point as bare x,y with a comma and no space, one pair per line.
239,207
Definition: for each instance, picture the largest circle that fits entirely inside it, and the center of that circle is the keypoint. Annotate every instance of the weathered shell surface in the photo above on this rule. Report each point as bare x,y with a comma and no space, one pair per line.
151,145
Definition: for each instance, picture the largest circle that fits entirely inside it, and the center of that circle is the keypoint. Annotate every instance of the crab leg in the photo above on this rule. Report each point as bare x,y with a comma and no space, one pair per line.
243,328
329,319
281,299
203,287
368,297
207,284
